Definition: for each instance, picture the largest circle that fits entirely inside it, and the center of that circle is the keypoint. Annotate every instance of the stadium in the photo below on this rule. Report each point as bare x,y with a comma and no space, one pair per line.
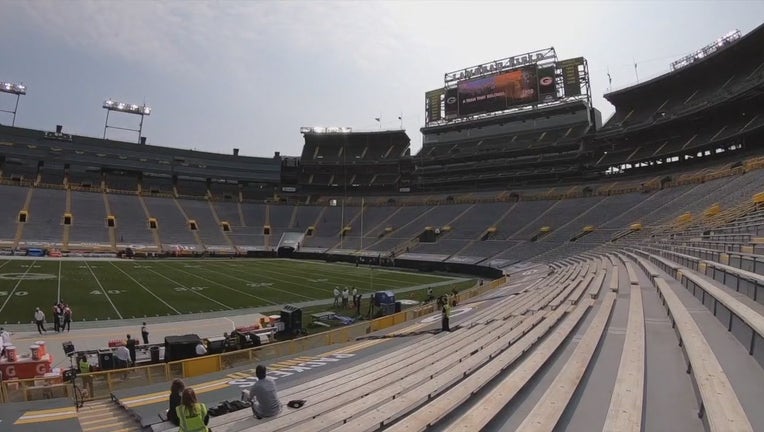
603,275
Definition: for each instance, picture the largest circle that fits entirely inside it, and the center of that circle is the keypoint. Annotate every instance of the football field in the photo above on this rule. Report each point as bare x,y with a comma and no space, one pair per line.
121,289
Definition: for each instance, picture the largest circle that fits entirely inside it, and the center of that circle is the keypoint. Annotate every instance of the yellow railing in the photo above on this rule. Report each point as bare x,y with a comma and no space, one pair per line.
100,385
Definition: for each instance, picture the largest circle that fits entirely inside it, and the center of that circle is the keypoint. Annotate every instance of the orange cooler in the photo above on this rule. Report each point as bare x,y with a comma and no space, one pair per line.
43,350
35,349
10,353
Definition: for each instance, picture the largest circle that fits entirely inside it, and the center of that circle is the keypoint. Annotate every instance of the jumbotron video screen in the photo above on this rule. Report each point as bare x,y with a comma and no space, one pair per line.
525,85
495,93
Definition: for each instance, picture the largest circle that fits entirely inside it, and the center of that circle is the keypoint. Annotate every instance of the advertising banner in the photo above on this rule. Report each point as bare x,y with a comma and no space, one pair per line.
452,103
571,77
547,85
432,105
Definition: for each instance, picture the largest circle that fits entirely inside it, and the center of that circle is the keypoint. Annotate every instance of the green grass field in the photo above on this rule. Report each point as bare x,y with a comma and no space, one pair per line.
101,290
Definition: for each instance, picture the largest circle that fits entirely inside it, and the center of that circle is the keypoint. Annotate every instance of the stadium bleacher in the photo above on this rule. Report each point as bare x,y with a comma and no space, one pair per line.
45,220
88,219
14,198
132,225
634,250
173,225
209,229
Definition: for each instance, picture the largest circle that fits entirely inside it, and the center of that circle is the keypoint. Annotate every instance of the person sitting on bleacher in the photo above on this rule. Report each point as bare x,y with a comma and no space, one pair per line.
262,394
192,414
176,390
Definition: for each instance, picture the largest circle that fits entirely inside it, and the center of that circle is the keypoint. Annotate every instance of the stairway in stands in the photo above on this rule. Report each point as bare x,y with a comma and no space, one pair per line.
106,416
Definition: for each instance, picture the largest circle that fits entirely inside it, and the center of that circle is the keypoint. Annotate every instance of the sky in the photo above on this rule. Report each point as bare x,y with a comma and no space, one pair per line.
248,74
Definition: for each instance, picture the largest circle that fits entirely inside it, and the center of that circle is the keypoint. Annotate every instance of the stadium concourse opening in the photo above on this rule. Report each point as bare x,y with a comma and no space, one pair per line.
618,240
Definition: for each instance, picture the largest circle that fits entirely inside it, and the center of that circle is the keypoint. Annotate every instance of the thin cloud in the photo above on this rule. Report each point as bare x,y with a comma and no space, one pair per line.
258,70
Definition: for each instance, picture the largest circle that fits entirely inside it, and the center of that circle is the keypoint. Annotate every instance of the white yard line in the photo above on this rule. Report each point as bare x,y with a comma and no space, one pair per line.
10,294
233,324
102,289
189,289
271,288
144,287
58,293
225,286
265,271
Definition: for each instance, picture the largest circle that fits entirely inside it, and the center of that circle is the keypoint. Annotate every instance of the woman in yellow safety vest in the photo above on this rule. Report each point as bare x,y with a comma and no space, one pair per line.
84,367
193,415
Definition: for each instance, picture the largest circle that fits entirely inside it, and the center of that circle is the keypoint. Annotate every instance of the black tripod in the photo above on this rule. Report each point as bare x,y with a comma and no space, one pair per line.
71,375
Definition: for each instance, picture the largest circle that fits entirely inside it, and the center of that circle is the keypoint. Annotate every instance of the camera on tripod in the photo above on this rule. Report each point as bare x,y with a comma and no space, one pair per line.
68,348
71,373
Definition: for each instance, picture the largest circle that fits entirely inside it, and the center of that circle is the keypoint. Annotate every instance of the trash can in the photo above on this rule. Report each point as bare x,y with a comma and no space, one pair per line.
154,354
382,297
106,359
291,316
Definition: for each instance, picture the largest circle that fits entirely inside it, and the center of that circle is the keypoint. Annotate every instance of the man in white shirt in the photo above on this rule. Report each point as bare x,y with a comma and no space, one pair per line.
123,356
5,340
201,349
336,296
262,394
39,319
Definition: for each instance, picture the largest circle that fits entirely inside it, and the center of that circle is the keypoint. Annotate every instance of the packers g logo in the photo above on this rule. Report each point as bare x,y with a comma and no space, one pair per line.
546,81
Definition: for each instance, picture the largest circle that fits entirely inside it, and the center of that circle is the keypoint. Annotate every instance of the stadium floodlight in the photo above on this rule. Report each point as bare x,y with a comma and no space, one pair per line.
111,105
328,130
707,50
14,89
127,108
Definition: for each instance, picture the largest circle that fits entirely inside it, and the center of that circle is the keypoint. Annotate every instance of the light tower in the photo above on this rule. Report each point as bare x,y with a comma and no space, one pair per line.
14,89
141,110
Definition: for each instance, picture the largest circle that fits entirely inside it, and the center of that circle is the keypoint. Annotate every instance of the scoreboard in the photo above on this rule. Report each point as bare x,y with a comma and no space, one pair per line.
518,81
571,75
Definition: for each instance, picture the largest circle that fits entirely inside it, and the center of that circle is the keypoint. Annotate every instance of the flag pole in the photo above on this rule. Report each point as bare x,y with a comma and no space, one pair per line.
609,80
635,70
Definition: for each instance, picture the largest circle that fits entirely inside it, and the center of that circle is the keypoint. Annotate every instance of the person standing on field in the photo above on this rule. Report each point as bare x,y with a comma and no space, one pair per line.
56,318
39,319
67,319
145,334
60,315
